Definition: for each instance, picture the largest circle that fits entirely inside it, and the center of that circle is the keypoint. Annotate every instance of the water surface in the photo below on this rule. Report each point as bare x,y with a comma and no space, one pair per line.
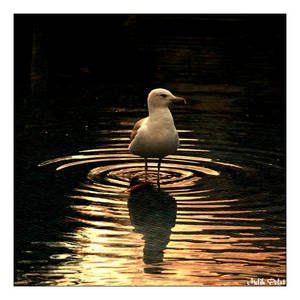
217,219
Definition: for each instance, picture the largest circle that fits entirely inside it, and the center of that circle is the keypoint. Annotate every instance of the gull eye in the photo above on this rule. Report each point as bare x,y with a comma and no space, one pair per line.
163,95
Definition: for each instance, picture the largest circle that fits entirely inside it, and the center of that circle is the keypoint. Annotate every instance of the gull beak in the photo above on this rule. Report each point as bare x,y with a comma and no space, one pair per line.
179,99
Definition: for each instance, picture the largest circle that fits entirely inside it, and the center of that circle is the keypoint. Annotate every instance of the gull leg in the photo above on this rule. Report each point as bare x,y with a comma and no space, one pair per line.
158,169
146,170
135,185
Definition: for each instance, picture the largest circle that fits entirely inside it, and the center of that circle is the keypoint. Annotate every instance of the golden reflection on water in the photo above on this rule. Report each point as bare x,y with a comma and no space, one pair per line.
103,259
113,252
182,234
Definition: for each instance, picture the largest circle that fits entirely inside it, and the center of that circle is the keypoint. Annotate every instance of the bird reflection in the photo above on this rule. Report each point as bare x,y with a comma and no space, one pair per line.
153,214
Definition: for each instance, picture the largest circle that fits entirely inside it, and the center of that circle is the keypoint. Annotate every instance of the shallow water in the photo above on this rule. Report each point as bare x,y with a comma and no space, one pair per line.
219,216
217,219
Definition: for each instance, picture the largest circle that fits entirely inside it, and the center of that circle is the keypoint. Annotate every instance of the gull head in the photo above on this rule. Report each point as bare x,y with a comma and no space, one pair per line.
162,98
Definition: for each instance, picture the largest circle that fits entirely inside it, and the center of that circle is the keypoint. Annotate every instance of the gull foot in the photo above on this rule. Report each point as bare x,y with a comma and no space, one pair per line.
138,187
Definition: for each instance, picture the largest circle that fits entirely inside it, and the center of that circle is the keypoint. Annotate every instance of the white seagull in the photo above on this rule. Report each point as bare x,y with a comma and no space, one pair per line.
156,136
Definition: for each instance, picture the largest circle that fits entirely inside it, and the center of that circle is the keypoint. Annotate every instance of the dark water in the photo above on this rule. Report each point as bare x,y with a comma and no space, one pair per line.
219,215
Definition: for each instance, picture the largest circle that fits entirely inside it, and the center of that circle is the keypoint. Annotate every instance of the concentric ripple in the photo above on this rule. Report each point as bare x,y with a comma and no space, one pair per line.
116,166
210,223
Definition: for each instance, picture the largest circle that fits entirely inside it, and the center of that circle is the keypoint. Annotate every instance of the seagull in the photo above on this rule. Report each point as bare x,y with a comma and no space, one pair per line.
156,136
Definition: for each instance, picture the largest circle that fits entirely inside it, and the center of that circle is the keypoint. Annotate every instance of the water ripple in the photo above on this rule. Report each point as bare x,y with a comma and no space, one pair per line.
204,226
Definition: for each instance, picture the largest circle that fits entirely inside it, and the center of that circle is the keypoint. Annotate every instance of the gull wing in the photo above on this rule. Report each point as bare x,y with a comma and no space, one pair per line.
136,127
